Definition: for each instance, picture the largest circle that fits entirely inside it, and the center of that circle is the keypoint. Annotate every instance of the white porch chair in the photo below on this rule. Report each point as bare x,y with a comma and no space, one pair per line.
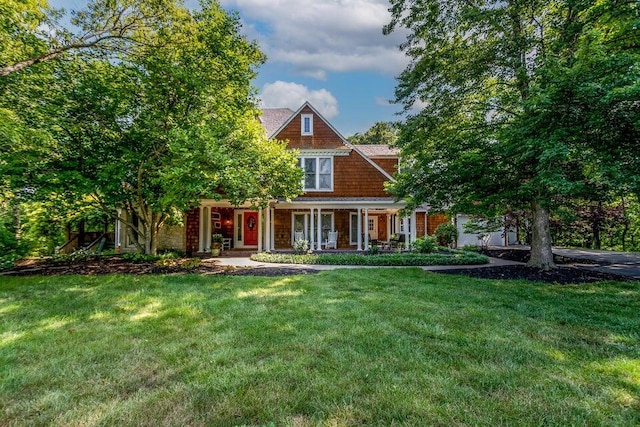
298,235
332,240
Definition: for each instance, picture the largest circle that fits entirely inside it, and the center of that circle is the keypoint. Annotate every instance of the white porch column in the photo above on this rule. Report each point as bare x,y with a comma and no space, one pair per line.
405,231
359,239
319,240
414,226
201,231
260,233
366,228
311,227
118,231
267,225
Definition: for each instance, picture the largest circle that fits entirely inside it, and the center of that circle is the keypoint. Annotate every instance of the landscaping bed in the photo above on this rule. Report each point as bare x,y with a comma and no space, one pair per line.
561,275
122,265
384,259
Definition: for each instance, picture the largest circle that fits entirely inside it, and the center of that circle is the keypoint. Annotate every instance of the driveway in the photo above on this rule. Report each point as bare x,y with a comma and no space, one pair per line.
623,263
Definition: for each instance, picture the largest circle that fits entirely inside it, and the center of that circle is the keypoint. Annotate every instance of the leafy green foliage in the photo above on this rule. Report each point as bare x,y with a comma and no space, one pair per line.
170,121
381,133
425,244
404,259
446,234
522,104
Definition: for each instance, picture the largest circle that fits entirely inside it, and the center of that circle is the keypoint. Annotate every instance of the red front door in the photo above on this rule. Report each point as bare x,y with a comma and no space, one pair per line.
250,228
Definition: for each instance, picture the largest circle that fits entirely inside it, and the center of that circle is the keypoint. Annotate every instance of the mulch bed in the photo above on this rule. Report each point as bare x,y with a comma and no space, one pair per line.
117,265
562,275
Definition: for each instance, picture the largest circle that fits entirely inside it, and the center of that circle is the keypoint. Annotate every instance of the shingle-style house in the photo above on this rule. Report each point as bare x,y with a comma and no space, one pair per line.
344,193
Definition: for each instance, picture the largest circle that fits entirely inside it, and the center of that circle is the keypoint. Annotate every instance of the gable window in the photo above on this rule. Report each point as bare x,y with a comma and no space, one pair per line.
307,124
318,173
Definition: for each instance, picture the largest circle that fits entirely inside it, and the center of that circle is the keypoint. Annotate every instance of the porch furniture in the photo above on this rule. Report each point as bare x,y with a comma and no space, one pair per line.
226,243
298,235
332,240
397,241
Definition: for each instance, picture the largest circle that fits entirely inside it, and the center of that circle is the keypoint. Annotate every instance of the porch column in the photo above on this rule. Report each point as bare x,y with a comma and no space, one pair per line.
405,229
118,231
319,229
311,237
414,227
201,231
260,233
359,239
267,225
366,228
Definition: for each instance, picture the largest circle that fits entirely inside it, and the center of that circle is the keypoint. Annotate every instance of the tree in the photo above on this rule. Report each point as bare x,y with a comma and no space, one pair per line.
498,131
30,32
380,133
170,122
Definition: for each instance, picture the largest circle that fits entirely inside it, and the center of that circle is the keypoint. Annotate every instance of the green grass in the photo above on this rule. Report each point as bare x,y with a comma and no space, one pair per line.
344,347
403,259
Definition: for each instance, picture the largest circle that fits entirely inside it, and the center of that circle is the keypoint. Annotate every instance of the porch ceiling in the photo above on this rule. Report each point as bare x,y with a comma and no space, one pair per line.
382,203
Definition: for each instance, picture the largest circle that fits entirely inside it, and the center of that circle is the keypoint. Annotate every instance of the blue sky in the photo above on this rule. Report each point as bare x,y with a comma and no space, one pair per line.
329,52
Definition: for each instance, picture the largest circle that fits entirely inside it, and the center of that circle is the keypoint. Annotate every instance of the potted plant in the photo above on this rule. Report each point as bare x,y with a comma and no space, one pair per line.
216,244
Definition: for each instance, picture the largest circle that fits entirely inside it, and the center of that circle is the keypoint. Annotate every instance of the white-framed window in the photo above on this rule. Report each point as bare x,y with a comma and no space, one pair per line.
353,228
318,173
301,223
307,124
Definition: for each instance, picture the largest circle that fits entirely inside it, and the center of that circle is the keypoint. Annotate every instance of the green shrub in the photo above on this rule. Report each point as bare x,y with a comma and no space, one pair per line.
424,245
79,255
301,246
471,248
446,234
406,259
373,250
138,257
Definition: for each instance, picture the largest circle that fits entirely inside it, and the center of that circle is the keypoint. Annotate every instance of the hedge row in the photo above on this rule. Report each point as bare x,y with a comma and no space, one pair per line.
407,259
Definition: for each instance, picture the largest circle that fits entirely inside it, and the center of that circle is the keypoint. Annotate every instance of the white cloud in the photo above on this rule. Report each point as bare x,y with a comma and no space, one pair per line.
291,95
329,35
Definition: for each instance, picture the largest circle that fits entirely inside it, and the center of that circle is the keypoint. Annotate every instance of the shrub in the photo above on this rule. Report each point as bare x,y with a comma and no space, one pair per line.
446,234
79,255
373,250
138,257
407,259
424,245
301,246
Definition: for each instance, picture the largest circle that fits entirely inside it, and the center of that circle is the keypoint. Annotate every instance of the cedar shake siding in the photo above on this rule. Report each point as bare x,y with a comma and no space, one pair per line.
390,166
323,136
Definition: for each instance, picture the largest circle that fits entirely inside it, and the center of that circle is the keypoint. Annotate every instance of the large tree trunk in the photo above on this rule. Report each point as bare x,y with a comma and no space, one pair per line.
541,254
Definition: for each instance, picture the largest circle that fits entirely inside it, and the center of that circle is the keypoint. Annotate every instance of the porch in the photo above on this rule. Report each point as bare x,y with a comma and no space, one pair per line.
359,224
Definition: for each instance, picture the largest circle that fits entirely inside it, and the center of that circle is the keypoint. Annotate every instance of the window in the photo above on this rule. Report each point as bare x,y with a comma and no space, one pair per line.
353,229
307,124
318,173
302,224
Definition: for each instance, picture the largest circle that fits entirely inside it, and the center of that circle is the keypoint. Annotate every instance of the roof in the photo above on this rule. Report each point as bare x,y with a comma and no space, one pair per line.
377,150
273,118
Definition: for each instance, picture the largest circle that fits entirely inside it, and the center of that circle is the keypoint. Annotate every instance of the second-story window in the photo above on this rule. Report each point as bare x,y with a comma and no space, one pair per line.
318,173
307,124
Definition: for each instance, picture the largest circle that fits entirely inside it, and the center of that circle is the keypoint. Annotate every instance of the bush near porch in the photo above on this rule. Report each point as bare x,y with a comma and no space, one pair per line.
402,259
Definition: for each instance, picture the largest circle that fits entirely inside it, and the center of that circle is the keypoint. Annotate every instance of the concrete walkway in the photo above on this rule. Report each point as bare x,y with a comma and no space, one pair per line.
622,263
241,262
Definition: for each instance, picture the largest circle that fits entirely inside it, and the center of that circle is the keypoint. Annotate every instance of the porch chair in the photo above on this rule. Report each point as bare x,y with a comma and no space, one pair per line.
332,240
298,235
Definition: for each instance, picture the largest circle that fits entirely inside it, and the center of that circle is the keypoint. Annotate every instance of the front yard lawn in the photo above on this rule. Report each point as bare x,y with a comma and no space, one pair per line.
344,347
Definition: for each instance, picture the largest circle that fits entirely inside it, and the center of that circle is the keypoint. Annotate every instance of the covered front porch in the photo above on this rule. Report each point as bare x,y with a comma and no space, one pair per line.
340,224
